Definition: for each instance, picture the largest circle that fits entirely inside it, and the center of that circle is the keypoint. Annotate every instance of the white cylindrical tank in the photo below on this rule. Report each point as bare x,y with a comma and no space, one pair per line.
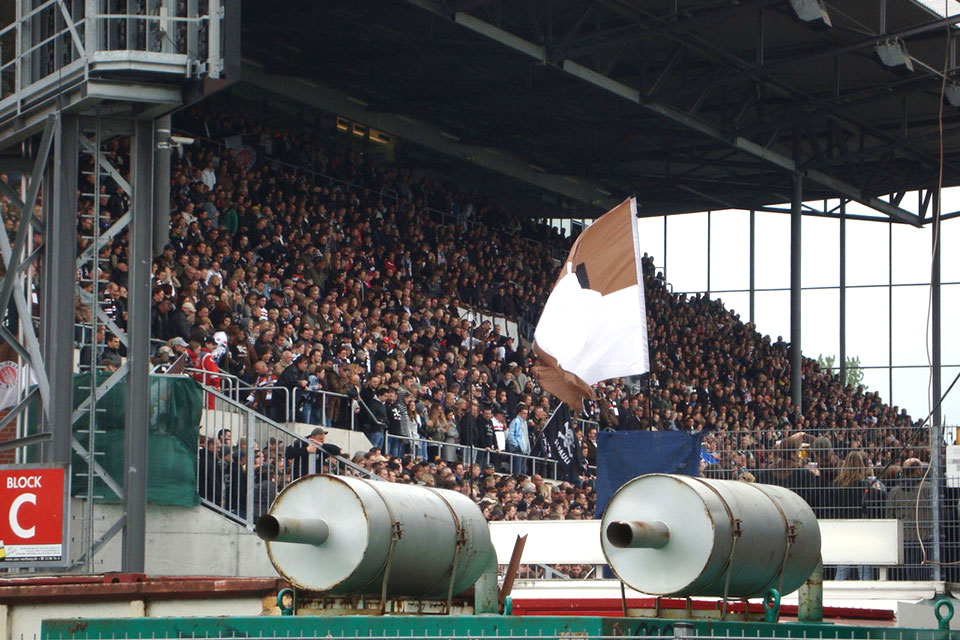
678,535
339,535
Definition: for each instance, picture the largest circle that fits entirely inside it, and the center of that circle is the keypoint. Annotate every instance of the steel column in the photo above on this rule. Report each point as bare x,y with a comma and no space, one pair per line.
59,273
936,431
843,291
138,350
161,194
890,312
796,362
753,259
665,249
709,248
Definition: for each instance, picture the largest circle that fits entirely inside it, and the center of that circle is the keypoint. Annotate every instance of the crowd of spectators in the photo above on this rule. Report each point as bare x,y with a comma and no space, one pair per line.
292,266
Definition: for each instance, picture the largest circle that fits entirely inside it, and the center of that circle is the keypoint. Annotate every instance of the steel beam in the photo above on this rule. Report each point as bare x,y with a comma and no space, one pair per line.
136,430
59,269
671,113
576,188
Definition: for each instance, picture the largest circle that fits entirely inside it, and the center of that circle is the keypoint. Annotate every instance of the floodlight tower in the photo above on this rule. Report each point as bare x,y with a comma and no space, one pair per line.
77,75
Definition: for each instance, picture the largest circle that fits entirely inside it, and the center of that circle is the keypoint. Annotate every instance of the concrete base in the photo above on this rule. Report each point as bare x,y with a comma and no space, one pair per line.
921,615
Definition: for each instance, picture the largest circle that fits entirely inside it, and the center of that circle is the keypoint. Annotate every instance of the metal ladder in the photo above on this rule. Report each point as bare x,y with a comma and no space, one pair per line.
95,230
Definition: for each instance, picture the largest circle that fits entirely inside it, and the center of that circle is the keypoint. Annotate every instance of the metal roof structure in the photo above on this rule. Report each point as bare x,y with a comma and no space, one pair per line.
689,104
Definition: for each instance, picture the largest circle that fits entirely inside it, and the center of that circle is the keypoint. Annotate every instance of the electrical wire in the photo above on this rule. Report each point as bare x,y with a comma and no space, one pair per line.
934,257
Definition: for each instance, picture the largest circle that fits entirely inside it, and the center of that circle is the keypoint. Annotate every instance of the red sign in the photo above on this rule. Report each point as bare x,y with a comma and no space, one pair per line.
31,514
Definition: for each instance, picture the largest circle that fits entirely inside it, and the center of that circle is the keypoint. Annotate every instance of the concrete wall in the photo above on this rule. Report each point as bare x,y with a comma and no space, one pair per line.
180,541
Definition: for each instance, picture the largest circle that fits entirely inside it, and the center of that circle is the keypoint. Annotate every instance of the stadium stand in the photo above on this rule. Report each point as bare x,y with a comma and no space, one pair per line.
295,265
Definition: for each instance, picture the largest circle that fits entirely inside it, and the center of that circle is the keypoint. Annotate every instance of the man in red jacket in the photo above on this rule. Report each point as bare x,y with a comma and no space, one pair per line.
208,377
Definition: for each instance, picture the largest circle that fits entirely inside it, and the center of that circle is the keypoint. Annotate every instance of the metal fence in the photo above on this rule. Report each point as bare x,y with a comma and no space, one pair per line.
857,473
244,460
503,461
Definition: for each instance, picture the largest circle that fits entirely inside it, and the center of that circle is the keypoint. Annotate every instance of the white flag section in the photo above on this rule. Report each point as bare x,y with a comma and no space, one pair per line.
594,324
595,337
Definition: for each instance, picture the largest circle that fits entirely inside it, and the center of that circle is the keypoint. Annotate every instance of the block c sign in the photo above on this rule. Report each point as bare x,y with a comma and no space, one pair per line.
31,515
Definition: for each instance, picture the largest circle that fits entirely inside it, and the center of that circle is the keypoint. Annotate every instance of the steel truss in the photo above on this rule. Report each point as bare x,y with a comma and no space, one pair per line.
819,152
84,73
46,349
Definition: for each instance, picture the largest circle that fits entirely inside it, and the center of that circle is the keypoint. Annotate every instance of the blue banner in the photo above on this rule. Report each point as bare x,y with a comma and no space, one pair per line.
624,455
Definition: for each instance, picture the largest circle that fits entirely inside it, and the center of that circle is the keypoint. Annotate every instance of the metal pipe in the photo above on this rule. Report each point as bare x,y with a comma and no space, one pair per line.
810,608
286,529
161,193
638,535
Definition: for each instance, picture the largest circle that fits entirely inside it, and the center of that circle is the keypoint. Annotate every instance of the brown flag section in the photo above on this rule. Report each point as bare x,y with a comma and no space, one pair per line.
604,260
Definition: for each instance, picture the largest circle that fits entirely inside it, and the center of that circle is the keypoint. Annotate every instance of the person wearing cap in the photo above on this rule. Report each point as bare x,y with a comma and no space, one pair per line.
181,320
110,362
208,374
178,345
298,454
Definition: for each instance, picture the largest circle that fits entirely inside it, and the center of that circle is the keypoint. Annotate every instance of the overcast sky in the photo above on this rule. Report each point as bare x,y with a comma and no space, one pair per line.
869,269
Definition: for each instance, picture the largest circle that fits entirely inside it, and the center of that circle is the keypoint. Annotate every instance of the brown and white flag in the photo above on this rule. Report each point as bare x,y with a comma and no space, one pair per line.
594,325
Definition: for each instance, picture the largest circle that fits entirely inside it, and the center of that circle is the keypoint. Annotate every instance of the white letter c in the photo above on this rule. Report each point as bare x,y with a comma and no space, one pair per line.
15,508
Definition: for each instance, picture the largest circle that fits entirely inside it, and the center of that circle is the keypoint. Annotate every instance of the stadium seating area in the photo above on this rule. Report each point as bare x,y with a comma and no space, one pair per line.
302,253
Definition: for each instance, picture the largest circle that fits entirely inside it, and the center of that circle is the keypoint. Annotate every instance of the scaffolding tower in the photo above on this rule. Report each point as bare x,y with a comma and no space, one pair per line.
77,79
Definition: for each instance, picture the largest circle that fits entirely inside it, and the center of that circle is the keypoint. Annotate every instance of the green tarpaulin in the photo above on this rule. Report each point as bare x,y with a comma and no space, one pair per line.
175,408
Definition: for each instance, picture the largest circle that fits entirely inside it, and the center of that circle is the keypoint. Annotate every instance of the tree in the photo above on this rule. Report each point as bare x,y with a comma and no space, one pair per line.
854,372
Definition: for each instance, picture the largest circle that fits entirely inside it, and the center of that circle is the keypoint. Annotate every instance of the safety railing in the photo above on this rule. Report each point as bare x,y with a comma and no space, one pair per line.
244,460
322,408
229,385
59,41
270,401
510,326
503,461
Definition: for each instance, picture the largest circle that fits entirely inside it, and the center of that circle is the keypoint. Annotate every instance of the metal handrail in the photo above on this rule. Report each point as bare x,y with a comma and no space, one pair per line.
273,389
469,454
233,381
256,429
311,393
